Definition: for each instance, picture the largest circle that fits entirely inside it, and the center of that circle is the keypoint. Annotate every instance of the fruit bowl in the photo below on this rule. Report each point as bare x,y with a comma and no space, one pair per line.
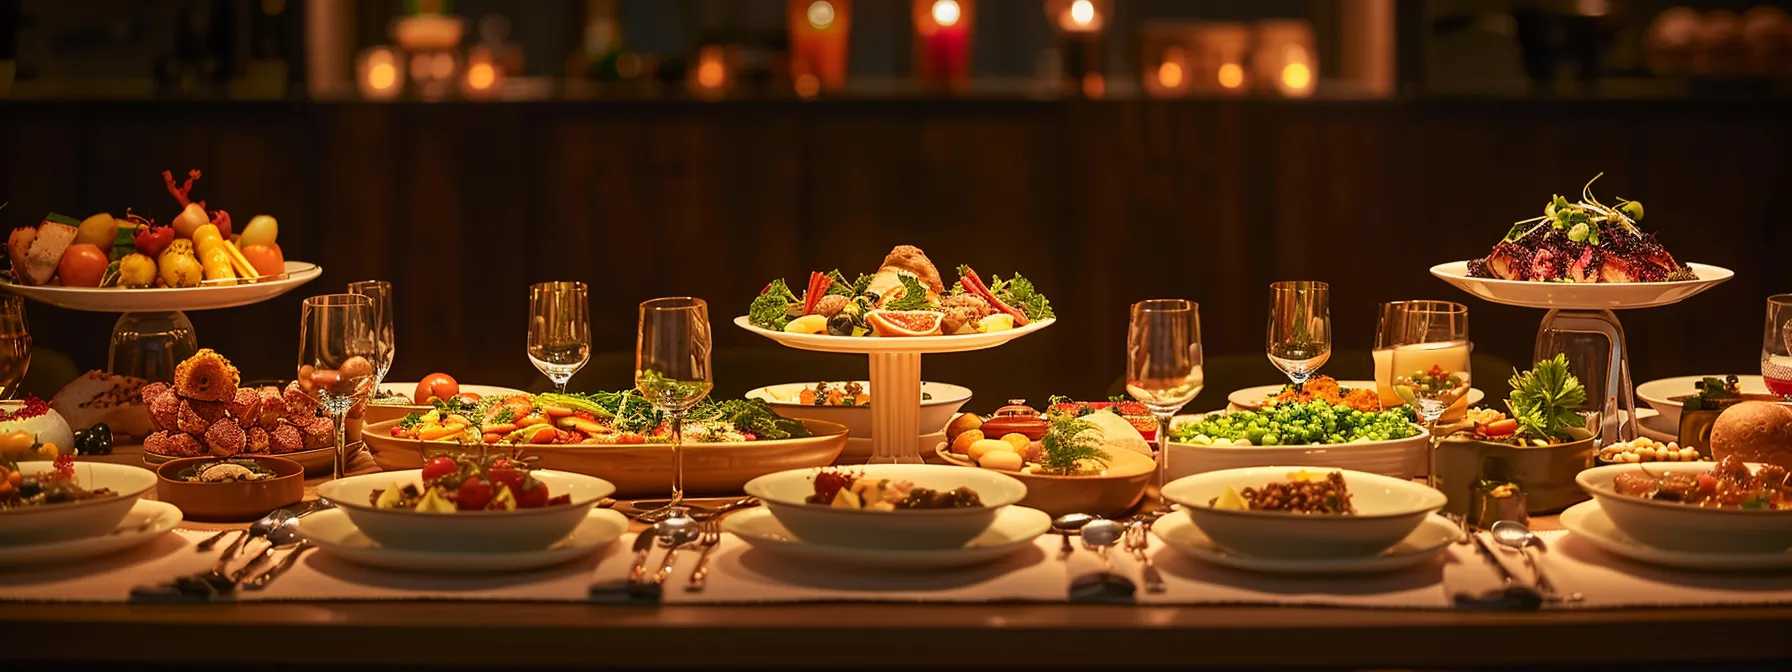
166,299
1111,494
1585,295
911,344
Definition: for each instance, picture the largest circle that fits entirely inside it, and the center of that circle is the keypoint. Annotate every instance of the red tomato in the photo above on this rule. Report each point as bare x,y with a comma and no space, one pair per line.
82,266
436,386
507,475
533,495
265,259
439,466
475,493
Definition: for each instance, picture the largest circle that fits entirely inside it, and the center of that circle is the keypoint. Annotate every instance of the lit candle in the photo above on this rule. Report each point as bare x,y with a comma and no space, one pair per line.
484,77
818,39
710,80
1170,78
1184,58
1285,60
1080,24
379,73
943,42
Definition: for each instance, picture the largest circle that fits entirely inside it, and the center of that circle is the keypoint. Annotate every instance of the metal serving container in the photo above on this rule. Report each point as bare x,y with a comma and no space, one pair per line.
1543,474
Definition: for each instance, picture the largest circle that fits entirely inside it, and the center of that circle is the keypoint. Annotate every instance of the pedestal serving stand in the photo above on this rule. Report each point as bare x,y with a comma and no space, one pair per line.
1581,313
895,374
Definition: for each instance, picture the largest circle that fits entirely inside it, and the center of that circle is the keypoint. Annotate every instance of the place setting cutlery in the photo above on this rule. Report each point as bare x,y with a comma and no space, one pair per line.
1105,585
279,529
672,536
1513,537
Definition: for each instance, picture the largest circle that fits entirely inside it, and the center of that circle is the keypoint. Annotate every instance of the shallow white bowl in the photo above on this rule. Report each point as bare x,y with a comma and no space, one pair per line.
935,412
784,492
914,344
77,520
1679,527
1583,295
1388,509
465,531
209,297
1400,458
1662,395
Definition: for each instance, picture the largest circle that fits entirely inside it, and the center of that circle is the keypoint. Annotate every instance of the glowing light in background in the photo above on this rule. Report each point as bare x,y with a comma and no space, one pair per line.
1082,12
1296,76
821,14
382,76
1231,75
481,76
946,12
807,85
1169,74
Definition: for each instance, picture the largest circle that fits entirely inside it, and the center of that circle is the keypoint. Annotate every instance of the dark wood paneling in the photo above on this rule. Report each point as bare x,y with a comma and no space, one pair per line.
1102,204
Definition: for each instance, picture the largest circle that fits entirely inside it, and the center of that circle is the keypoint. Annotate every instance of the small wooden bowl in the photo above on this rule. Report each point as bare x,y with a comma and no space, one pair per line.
1112,494
231,502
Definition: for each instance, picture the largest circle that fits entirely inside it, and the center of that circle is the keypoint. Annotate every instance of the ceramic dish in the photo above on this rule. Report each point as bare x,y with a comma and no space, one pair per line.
1656,426
1012,531
1430,538
643,470
465,531
1387,511
146,521
923,529
50,427
936,411
384,412
238,501
1112,494
1581,295
315,461
1400,458
914,344
164,299
1251,398
1587,520
1679,527
335,534
76,520
1664,395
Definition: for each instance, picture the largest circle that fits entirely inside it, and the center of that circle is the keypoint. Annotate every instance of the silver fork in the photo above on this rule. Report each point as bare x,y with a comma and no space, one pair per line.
1138,541
712,537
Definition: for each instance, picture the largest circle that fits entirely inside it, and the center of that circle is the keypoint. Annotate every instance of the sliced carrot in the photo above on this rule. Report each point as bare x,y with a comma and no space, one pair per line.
434,432
504,428
531,420
492,438
554,411
546,434
1506,427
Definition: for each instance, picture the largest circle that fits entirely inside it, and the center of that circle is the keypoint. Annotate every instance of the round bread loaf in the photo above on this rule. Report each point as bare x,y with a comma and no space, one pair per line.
1756,431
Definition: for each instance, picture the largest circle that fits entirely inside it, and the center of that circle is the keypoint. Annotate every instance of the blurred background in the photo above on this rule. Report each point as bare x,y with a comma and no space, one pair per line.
1111,150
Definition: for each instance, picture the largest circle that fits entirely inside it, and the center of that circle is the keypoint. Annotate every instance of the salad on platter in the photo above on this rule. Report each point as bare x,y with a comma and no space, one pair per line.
905,297
596,418
1581,242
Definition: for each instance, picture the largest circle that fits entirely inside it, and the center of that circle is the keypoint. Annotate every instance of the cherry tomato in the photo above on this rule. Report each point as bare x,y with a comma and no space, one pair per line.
533,495
436,386
475,493
507,475
82,266
438,467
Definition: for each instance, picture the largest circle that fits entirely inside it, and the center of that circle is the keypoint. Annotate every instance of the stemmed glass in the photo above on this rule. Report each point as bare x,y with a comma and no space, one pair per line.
337,349
1776,346
380,292
559,330
1300,327
15,345
1163,367
672,372
1390,321
1429,365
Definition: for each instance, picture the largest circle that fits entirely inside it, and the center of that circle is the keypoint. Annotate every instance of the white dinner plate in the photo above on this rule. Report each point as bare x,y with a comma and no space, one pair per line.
913,344
1429,539
1582,295
1588,521
335,534
122,300
1251,398
1014,529
147,520
1660,393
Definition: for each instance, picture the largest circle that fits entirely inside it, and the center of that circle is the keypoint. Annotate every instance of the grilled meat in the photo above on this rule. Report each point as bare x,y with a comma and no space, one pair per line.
1548,255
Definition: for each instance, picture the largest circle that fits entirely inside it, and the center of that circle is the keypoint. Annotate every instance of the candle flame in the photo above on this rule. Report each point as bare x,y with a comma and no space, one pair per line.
481,76
382,76
1082,12
946,12
1169,74
821,14
1296,76
1231,76
710,72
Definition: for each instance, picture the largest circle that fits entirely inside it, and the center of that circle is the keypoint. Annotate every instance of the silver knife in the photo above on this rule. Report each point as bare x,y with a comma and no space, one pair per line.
1154,580
643,546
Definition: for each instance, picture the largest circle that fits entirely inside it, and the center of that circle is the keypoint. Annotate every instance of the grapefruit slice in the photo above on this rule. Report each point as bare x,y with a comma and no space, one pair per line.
905,322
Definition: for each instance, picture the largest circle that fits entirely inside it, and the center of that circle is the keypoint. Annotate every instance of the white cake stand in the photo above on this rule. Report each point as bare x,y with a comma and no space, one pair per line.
1586,309
895,374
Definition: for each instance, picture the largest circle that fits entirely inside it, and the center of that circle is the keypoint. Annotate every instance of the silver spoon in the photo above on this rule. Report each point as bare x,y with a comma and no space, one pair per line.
1068,524
1515,535
674,533
1101,534
283,536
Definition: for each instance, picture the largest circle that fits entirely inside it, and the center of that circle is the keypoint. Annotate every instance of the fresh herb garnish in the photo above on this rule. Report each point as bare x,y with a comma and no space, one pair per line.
770,310
1018,292
914,295
1068,442
1544,401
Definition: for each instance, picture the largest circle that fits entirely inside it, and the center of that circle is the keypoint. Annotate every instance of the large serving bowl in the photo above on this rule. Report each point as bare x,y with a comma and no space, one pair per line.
1388,509
246,500
1681,527
394,411
465,531
76,520
935,412
784,492
1111,494
645,469
1400,458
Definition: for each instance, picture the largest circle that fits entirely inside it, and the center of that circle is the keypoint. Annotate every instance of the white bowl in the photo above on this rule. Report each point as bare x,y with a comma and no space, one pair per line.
1582,295
48,428
784,492
1399,458
156,299
912,344
465,531
935,412
1680,527
1388,509
1663,395
77,520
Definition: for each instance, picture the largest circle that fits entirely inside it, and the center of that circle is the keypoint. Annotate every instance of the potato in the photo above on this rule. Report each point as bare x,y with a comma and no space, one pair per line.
1018,440
136,270
985,446
179,270
962,444
99,231
962,423
1001,459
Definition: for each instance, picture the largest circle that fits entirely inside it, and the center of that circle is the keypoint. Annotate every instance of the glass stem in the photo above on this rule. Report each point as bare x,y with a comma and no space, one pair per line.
339,466
1163,458
677,460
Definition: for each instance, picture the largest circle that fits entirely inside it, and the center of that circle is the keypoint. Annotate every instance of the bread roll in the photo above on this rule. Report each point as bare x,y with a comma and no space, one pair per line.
1756,431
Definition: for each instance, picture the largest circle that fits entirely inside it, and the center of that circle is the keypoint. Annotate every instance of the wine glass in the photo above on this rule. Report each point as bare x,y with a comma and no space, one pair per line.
672,372
559,331
1776,347
337,349
1429,365
1163,367
1300,327
15,345
380,292
1390,320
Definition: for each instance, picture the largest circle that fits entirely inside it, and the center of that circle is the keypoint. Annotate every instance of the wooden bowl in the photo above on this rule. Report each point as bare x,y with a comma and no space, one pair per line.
1109,495
231,502
642,470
